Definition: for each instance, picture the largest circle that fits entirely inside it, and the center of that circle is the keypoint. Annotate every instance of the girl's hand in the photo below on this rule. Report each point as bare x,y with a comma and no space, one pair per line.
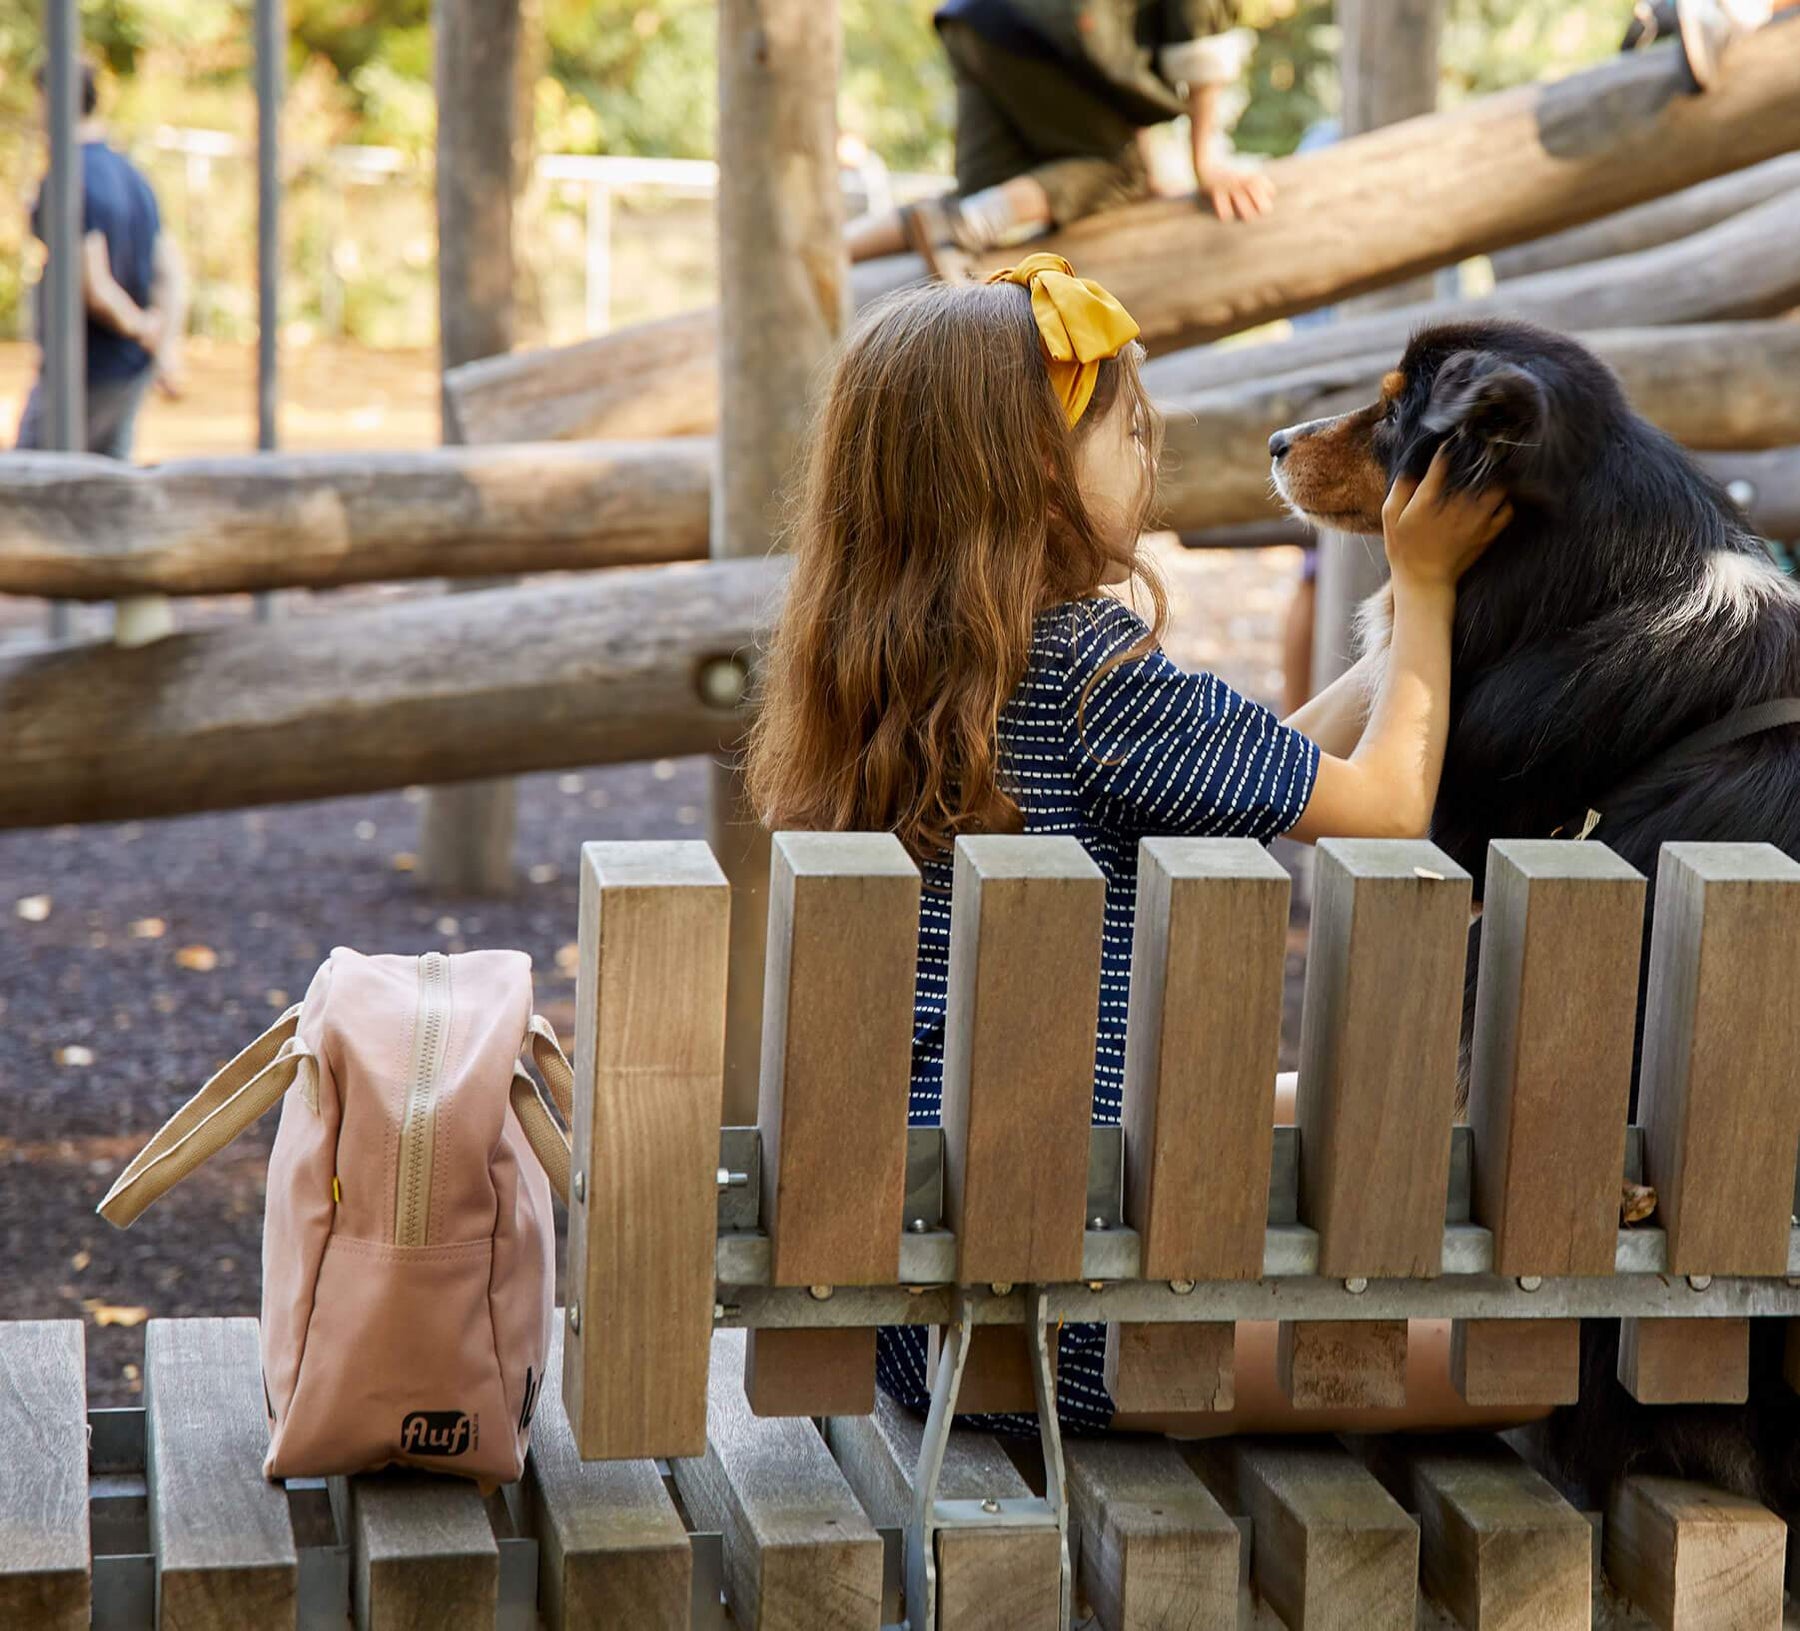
1433,537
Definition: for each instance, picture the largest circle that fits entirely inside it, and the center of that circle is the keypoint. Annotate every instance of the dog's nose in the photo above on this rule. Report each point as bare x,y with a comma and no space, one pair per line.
1279,443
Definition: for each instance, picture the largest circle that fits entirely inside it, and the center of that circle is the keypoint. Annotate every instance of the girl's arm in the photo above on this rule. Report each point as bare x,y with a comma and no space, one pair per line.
1386,788
1338,715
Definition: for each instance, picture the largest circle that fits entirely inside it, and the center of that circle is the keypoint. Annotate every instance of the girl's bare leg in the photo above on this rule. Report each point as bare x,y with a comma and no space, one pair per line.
876,233
1432,1402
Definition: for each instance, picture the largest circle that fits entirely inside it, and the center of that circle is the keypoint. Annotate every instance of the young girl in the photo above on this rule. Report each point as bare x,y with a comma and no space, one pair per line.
946,662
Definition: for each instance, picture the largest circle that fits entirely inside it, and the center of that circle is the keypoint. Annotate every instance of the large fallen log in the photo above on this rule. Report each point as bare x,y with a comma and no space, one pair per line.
1372,210
1660,221
1711,386
1747,266
433,690
75,527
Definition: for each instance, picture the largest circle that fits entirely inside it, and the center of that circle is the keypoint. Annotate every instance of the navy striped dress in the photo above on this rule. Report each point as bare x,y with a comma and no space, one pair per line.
1156,751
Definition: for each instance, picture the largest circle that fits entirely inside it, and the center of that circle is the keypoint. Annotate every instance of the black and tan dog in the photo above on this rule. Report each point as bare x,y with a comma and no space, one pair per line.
1625,649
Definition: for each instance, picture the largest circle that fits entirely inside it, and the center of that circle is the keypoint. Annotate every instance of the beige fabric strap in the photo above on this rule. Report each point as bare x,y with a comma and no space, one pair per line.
548,1141
232,1099
553,1066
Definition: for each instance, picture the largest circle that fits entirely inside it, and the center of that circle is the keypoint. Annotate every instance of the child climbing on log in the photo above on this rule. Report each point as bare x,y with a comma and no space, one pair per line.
948,661
1053,98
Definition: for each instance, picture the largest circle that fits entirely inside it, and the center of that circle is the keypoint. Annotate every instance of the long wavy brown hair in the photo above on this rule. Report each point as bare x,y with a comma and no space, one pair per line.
938,516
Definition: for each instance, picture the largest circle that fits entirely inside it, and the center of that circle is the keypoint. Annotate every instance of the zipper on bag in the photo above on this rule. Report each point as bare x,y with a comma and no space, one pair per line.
431,1036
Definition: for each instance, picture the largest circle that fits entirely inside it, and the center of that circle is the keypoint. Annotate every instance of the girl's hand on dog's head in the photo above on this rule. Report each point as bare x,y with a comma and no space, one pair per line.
1434,536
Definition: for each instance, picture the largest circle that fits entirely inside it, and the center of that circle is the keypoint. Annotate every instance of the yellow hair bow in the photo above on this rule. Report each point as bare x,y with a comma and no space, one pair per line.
1080,324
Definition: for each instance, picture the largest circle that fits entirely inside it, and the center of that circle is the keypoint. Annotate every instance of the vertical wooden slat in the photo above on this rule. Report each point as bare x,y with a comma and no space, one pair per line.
1498,1546
1694,1558
1202,1042
1550,1071
423,1554
1676,1361
997,1371
223,1540
988,1580
44,1552
1333,1551
800,1554
1378,1048
1024,993
1157,1549
836,1054
1719,1093
649,1062
1516,1362
613,1553
1342,1364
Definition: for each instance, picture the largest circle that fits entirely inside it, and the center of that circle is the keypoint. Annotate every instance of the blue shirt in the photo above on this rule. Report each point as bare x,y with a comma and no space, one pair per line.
1152,750
117,203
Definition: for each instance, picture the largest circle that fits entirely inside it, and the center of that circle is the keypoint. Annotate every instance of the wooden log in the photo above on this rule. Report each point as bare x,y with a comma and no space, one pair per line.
1550,1071
422,1553
1157,1549
1498,1546
44,1556
1677,1361
1743,267
800,1555
1402,200
559,674
223,1539
613,1553
1161,1368
1516,1362
1333,1550
1695,1558
81,527
1378,1047
1719,1094
1659,221
988,1579
649,1039
1024,987
1342,1364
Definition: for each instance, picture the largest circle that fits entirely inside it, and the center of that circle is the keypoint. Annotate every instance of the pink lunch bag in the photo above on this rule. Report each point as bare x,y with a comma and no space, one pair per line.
408,1244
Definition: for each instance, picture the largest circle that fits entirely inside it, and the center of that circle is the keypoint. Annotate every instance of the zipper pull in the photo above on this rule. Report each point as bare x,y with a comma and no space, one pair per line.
337,1191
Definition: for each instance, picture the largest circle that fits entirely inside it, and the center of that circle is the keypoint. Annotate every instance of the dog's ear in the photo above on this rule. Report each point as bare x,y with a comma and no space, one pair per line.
1491,401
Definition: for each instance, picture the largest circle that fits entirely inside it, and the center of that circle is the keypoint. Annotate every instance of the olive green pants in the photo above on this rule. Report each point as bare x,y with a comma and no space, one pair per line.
1029,116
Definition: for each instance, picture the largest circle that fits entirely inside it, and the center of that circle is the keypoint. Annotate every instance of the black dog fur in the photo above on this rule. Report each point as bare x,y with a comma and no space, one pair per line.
1624,607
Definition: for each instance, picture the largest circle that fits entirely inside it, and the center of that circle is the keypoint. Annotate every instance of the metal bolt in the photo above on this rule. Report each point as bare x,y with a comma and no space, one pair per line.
1097,1223
722,682
1001,1288
1699,1282
919,1226
579,1184
728,1179
819,1294
1096,1285
726,1311
575,1317
1356,1285
1530,1282
990,1505
1181,1287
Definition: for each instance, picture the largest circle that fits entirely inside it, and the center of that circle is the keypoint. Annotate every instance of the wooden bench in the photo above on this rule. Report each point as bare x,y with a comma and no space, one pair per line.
724,1287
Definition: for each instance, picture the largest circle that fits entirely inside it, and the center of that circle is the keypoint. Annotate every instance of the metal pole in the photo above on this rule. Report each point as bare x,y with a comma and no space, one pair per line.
65,331
271,47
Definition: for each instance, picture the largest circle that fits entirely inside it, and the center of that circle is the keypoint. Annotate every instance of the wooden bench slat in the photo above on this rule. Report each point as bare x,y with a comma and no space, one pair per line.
1719,1092
1168,1367
1694,1558
800,1554
44,1554
988,1580
1516,1362
1333,1551
1498,1546
1024,990
1562,933
224,1543
1157,1549
422,1552
1677,1361
794,1371
613,1553
1342,1364
649,1090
